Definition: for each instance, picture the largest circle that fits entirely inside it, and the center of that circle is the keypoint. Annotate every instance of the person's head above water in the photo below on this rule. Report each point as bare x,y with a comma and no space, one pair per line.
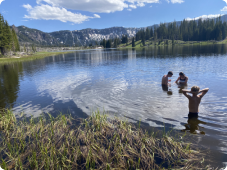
170,73
195,89
181,74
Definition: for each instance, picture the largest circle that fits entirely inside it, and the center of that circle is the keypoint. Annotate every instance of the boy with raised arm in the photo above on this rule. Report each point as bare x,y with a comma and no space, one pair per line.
194,100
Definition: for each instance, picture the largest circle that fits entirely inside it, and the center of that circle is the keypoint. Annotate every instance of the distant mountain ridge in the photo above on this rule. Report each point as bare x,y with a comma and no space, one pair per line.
71,38
77,37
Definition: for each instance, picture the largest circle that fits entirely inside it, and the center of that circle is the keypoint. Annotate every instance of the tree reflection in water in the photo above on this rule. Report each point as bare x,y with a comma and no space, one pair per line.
9,84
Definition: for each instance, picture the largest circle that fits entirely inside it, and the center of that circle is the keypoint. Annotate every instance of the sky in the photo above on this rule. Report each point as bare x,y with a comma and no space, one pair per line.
56,15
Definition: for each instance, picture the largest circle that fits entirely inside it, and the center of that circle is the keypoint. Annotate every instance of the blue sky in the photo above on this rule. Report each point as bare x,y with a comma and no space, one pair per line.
55,15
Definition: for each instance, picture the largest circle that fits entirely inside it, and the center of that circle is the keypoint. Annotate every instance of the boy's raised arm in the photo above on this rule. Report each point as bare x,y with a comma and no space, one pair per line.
204,91
185,92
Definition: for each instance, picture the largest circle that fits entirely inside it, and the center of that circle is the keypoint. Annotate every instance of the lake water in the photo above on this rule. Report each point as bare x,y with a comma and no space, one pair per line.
127,83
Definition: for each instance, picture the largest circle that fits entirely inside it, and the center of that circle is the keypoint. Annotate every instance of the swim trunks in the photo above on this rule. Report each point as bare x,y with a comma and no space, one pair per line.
193,115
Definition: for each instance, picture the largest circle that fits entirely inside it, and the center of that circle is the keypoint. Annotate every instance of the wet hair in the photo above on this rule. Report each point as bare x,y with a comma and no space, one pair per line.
195,89
181,74
170,73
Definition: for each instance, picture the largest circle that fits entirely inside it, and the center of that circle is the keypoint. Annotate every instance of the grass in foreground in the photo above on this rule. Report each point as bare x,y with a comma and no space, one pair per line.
95,143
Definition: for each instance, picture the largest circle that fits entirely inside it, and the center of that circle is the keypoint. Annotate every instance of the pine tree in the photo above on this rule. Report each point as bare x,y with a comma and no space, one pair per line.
151,32
1,32
155,34
147,34
25,48
133,42
104,43
115,43
143,41
6,38
108,44
34,49
15,41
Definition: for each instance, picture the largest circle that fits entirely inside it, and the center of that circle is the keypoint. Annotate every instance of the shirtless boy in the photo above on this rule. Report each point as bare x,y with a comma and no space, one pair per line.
165,78
194,100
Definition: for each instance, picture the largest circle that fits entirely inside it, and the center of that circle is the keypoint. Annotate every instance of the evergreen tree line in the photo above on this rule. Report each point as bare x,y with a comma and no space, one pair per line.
8,37
210,29
111,43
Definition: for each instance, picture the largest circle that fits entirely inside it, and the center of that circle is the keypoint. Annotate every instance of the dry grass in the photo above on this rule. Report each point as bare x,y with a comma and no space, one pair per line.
95,143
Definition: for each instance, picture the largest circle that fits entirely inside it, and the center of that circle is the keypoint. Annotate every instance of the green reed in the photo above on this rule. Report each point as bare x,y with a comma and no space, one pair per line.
97,142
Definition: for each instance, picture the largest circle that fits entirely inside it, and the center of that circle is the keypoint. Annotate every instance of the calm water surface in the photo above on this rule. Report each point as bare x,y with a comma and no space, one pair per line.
126,83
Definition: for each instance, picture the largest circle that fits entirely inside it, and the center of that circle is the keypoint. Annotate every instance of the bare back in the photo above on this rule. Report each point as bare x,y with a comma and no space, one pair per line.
194,102
195,99
165,80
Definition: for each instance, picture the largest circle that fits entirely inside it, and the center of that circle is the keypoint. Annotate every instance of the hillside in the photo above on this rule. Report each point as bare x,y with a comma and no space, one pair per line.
70,38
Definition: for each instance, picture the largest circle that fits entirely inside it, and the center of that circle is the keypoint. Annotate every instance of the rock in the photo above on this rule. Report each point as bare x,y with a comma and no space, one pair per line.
15,28
22,53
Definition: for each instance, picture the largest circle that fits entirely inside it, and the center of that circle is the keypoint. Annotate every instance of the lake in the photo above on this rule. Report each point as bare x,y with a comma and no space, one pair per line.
127,83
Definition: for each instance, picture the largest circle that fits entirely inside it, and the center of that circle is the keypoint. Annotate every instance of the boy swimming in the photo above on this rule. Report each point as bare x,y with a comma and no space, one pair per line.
194,100
165,78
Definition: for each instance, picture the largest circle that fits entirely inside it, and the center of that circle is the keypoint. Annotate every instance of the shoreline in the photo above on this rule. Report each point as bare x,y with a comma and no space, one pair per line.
150,43
35,56
43,54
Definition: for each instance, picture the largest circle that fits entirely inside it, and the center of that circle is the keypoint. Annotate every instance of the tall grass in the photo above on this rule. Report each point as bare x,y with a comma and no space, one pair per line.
95,143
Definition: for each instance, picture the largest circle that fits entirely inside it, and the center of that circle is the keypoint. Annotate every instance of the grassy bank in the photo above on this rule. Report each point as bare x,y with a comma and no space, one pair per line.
34,56
138,44
92,143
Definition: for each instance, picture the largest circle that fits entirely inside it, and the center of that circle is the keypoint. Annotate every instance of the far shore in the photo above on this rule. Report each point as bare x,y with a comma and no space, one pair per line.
42,52
52,51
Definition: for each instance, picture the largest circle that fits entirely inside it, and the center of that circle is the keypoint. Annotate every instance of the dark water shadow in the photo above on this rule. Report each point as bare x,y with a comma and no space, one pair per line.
167,89
193,126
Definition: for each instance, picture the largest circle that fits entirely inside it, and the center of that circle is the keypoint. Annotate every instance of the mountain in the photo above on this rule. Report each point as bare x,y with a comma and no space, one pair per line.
70,38
78,37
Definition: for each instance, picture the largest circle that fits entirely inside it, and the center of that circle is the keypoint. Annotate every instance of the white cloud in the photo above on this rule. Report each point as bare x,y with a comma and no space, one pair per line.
206,16
177,1
225,1
168,1
129,9
140,4
133,6
1,1
96,16
47,12
28,7
96,6
225,8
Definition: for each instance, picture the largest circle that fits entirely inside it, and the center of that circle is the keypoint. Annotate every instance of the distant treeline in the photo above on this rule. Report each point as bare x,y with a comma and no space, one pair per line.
194,30
8,37
114,42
